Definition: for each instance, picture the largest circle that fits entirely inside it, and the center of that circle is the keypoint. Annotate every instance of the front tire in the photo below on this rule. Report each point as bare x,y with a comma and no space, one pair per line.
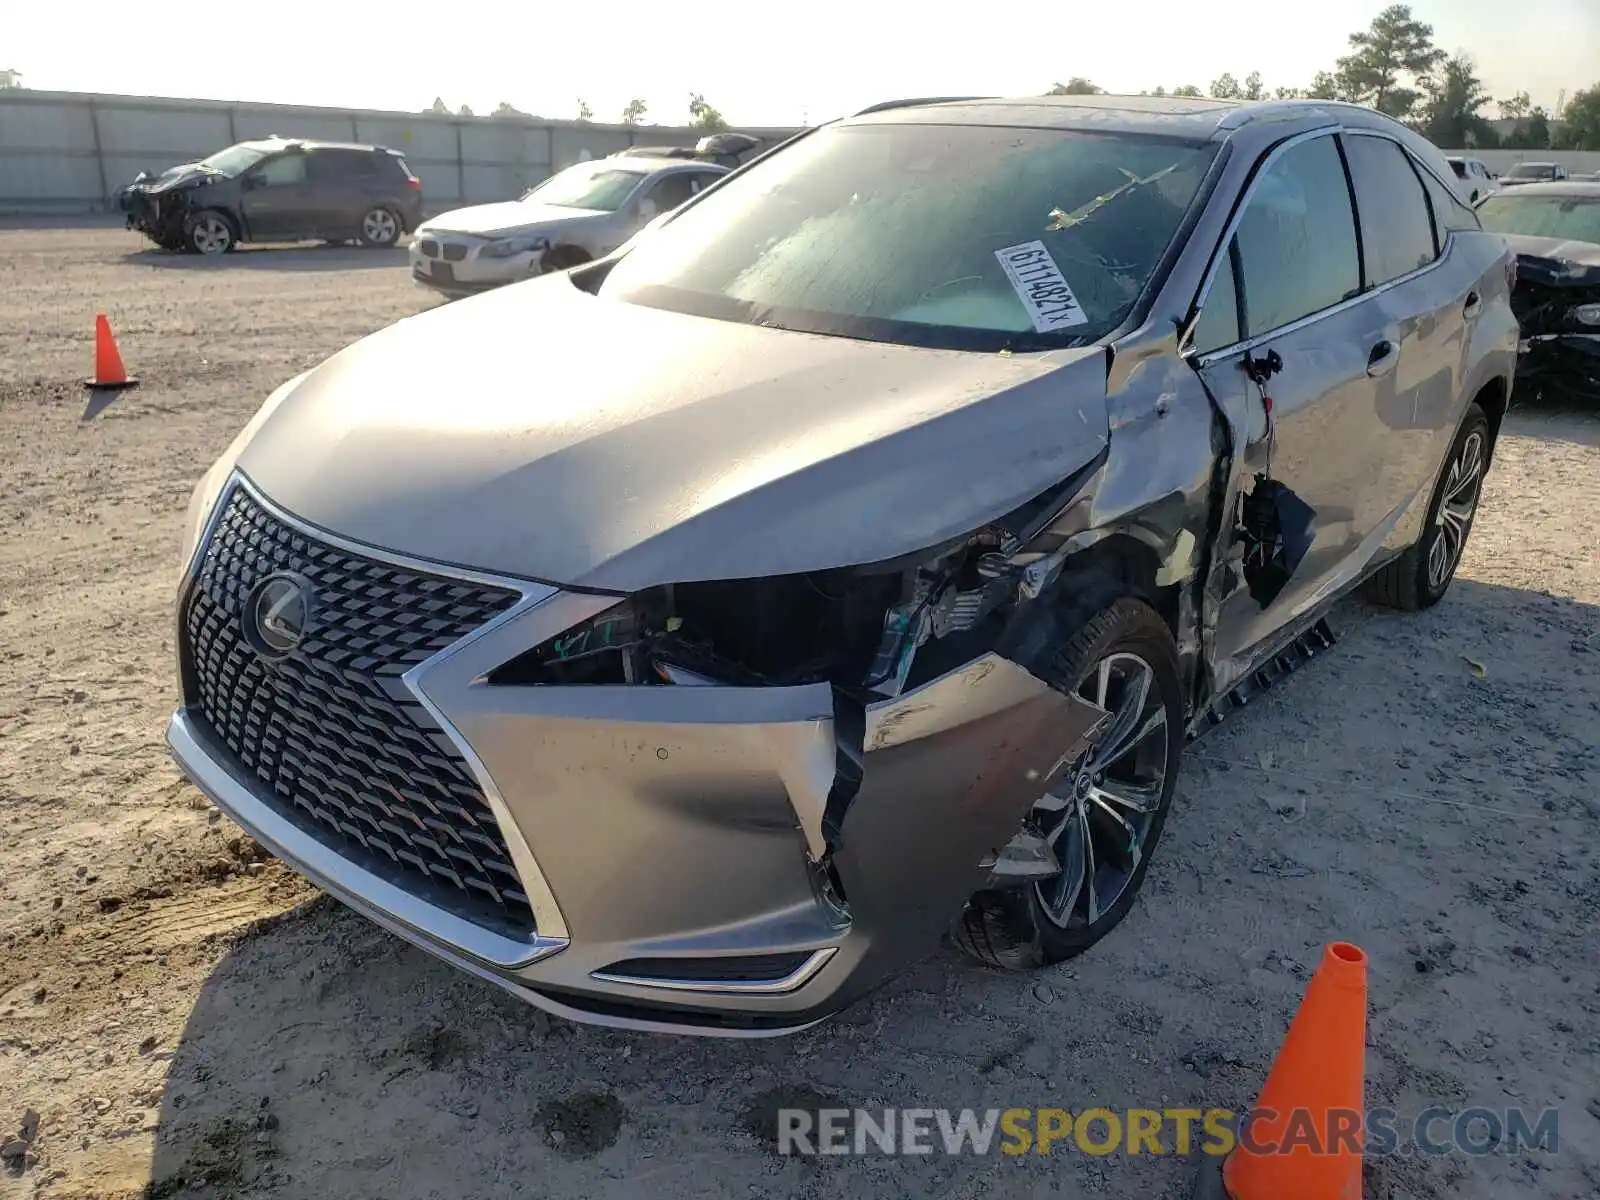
1419,577
1102,814
209,232
380,228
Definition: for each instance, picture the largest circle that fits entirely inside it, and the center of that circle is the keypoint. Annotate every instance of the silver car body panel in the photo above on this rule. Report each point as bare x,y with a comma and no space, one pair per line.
711,450
687,822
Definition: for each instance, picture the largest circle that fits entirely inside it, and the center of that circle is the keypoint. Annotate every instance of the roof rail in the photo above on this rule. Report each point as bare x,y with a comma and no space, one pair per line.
915,102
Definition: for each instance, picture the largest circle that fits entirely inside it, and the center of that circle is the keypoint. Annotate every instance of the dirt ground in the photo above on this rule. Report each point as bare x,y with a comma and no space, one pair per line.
188,1020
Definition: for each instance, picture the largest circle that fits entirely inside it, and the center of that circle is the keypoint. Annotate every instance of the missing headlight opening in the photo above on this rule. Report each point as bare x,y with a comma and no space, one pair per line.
859,628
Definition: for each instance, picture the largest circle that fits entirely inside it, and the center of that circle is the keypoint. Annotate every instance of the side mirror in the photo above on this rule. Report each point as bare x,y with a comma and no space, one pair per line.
647,209
250,182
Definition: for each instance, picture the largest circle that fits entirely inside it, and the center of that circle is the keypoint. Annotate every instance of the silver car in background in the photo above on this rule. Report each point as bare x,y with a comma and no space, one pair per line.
875,530
579,214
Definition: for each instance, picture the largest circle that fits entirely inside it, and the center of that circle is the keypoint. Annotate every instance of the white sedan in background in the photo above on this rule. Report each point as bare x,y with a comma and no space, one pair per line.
578,214
1474,180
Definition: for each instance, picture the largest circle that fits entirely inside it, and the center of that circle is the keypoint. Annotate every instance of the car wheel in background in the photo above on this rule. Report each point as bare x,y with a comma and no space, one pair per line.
1420,576
380,227
1101,815
209,232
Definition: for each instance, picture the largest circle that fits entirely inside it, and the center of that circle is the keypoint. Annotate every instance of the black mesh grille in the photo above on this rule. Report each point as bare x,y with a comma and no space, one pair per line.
330,729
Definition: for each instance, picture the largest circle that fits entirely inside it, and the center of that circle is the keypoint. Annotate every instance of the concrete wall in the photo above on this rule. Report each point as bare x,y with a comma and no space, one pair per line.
68,151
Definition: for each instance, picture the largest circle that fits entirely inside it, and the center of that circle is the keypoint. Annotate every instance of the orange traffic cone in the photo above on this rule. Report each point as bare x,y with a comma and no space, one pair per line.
108,369
1306,1142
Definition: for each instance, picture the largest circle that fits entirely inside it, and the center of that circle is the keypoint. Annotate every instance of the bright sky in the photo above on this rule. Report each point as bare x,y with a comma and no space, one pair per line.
772,64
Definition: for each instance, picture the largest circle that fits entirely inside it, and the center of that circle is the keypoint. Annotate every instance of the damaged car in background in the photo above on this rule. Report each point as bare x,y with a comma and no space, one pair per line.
1554,228
277,190
875,531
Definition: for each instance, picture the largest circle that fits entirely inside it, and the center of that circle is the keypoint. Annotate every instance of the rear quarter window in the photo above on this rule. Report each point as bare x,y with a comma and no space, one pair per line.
1450,215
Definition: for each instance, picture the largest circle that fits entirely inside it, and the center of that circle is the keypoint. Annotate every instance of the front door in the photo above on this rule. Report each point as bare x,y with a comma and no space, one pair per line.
276,198
1287,299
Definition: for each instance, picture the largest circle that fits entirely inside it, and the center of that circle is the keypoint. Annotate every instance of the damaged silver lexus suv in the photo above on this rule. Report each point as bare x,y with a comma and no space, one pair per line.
852,569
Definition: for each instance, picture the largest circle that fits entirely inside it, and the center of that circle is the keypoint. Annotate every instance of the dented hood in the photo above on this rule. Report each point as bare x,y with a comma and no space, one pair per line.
543,432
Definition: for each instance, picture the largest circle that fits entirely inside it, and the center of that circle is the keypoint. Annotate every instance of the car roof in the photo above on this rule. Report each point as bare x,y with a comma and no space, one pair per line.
653,165
1199,118
277,141
1557,187
359,146
1540,163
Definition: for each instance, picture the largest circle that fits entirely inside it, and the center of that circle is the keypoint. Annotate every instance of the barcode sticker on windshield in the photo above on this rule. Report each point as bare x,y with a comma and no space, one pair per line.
1041,286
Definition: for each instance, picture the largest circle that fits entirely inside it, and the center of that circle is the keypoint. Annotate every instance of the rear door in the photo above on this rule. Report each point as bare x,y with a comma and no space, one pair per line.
1428,303
1290,284
344,184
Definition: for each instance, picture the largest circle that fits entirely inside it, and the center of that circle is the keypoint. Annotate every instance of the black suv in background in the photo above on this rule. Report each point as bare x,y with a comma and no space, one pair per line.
277,190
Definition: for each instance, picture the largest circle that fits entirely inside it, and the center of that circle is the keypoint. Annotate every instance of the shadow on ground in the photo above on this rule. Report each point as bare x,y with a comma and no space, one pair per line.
1555,421
324,1057
273,258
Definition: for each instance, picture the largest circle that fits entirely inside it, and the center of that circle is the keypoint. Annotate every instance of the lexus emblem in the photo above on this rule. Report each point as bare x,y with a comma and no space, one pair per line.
278,614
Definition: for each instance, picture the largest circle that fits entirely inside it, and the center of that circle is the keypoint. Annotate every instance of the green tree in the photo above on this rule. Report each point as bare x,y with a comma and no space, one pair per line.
438,106
1515,109
1288,93
1076,86
10,79
1455,95
1324,86
703,116
466,111
1581,119
1393,47
1531,134
506,109
585,113
1226,87
1188,90
1254,89
634,113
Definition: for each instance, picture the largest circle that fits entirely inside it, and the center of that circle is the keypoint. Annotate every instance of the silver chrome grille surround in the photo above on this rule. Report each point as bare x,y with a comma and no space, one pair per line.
340,743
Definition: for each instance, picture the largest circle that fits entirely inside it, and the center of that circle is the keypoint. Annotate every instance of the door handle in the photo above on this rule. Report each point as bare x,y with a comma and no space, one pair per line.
1472,306
1383,359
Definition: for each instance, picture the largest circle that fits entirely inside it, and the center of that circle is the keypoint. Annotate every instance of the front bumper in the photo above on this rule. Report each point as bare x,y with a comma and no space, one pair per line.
670,839
1564,363
456,266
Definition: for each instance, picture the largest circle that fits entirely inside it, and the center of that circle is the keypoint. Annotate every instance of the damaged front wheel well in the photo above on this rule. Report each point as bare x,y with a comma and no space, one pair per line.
1115,566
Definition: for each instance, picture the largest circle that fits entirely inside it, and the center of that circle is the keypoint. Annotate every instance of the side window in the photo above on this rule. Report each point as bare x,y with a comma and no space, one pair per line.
701,180
1218,325
1396,230
283,170
672,191
1450,215
339,166
1297,239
